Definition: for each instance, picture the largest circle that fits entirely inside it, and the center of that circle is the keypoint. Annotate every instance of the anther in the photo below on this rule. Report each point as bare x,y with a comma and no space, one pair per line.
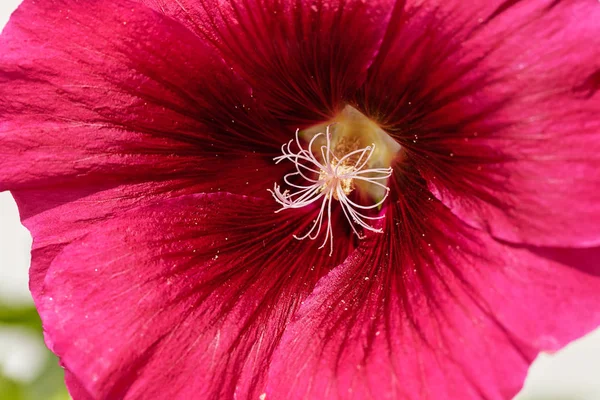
326,179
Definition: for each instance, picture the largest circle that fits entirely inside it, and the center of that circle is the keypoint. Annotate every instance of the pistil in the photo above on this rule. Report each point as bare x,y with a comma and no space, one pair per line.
329,175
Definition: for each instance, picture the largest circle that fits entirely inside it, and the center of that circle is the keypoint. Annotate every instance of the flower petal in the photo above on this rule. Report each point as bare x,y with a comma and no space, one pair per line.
552,136
452,314
76,389
58,216
303,58
107,106
111,90
497,104
183,299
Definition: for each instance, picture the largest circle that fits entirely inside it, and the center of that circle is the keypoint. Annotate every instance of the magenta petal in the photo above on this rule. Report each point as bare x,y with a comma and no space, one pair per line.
85,137
184,299
76,389
383,326
66,213
497,104
545,184
113,91
303,59
111,121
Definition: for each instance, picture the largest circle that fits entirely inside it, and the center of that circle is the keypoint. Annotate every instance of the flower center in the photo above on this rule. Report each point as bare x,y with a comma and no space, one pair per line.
335,164
344,180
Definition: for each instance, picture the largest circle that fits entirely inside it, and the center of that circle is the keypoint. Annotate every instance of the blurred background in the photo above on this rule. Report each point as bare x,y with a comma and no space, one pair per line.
29,371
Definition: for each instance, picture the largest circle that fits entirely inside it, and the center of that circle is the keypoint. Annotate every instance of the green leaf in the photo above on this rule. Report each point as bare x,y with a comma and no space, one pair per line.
25,316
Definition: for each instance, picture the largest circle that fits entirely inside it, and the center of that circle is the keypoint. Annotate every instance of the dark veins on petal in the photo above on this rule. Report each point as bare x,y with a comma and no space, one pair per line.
432,308
492,103
302,58
210,297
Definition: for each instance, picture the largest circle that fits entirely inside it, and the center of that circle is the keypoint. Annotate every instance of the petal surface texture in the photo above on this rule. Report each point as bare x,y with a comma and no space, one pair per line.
302,58
138,138
126,95
500,111
98,114
194,312
415,315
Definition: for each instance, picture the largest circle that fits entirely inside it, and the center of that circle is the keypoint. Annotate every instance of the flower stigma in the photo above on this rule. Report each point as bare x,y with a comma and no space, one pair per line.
331,169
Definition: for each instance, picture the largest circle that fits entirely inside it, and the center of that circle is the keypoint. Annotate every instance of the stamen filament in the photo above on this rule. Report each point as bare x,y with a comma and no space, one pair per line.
333,179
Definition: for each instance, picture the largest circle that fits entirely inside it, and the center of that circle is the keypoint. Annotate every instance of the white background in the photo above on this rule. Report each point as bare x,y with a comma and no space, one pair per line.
571,374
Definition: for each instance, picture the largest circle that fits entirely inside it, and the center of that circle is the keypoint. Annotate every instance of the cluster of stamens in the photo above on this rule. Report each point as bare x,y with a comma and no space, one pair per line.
327,178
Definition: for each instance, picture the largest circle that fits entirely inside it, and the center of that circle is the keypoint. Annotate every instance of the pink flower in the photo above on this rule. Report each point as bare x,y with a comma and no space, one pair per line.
140,141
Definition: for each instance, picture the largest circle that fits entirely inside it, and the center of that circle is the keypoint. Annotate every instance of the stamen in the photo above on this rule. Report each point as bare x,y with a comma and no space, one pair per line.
328,179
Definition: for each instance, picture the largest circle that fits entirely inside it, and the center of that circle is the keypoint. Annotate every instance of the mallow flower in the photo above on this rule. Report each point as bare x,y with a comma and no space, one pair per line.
305,199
